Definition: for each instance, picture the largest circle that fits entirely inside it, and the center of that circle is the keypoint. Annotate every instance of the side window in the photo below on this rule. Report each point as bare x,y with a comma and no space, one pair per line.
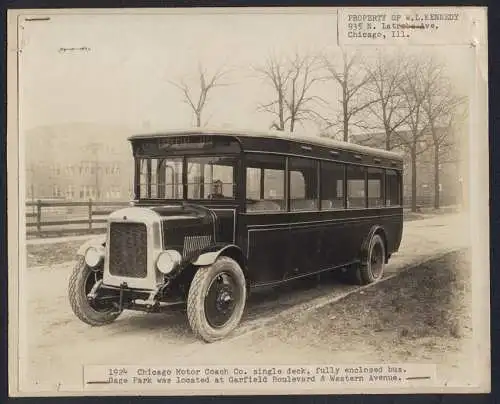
210,178
375,187
265,189
393,182
303,184
332,185
356,187
253,182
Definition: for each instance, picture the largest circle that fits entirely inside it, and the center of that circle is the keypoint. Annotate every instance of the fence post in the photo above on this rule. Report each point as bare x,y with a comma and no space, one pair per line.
39,216
90,214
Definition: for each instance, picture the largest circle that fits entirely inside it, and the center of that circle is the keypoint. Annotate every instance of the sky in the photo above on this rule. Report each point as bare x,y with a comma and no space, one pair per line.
124,75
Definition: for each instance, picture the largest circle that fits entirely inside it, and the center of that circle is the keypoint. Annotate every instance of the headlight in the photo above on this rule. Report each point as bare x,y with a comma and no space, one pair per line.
93,257
167,260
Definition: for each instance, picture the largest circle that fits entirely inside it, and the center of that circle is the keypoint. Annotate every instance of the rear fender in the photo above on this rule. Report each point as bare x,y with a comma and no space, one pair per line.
366,243
99,241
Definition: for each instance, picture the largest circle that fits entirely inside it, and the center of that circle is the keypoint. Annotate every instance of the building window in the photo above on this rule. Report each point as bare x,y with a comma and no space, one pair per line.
332,185
265,189
303,184
356,196
56,191
375,187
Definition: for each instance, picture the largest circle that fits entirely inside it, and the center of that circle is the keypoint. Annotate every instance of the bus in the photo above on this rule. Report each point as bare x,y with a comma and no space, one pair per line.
218,213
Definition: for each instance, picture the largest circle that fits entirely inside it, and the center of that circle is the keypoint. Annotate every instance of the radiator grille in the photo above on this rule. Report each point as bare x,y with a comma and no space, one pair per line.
193,244
128,250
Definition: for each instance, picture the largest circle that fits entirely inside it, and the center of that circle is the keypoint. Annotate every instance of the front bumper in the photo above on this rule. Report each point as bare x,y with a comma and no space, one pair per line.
126,298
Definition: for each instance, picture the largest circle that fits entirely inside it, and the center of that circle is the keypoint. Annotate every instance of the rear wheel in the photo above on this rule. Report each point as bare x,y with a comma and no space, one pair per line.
81,282
373,269
216,299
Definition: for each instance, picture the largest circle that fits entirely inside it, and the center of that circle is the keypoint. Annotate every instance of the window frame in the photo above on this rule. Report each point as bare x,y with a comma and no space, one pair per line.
316,167
183,175
185,185
343,167
262,186
382,173
399,187
365,187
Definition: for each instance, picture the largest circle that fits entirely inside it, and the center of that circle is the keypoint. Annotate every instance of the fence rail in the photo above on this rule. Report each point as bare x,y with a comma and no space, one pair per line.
60,218
52,218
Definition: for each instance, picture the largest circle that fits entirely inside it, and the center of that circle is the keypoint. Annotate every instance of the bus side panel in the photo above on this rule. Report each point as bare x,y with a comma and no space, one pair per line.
317,241
329,239
265,242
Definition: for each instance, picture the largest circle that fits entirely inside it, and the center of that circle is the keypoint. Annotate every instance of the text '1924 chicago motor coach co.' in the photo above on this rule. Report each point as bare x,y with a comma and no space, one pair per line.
218,213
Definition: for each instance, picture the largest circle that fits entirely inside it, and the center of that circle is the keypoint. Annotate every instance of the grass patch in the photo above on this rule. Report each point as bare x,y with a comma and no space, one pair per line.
415,315
51,254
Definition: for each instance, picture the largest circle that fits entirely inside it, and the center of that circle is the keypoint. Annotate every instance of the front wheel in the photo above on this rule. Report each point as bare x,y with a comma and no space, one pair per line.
216,299
81,282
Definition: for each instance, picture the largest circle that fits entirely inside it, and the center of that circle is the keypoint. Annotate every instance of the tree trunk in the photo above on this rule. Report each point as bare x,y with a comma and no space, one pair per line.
345,110
198,120
281,111
346,130
387,139
414,178
436,176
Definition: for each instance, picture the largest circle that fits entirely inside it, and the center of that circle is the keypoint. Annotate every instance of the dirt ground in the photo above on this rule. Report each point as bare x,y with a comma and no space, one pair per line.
420,316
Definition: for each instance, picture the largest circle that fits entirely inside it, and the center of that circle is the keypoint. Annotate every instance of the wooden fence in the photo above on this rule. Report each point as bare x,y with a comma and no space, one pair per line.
54,218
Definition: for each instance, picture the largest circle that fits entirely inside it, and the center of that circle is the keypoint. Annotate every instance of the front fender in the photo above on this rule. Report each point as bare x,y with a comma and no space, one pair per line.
98,241
210,255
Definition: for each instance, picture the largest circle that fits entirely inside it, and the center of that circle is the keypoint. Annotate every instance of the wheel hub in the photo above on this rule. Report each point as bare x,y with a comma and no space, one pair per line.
220,301
224,299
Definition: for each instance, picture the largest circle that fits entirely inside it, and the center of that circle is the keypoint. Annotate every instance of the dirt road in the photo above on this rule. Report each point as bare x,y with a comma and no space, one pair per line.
56,344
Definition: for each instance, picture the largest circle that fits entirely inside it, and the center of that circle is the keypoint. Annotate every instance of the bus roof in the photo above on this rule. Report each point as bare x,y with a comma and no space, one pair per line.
283,135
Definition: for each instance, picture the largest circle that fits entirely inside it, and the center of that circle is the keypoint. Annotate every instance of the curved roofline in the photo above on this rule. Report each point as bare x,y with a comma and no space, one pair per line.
282,135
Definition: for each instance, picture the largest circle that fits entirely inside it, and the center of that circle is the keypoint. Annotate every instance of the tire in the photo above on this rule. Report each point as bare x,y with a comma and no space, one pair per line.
216,299
373,269
80,283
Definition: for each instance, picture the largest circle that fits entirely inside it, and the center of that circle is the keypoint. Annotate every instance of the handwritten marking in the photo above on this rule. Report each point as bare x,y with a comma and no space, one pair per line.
82,49
37,19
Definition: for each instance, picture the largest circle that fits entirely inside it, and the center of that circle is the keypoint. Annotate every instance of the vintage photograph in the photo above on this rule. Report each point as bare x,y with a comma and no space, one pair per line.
248,201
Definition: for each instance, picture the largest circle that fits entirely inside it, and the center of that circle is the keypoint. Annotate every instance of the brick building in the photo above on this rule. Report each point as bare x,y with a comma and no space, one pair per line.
451,167
78,162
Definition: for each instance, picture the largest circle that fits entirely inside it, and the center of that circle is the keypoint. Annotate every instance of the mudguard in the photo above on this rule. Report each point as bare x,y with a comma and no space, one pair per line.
366,242
98,241
210,255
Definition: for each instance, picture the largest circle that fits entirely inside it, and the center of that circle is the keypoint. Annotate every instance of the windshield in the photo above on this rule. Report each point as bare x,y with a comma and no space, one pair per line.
207,178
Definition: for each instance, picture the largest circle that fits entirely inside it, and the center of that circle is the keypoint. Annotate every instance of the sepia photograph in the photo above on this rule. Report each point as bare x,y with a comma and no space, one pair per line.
248,201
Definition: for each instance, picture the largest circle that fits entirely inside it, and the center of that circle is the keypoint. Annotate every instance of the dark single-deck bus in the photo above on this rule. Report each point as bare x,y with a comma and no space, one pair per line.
218,213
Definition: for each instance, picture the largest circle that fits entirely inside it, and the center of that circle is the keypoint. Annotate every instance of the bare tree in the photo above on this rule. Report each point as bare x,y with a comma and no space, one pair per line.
441,106
352,79
389,110
197,99
420,77
291,80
